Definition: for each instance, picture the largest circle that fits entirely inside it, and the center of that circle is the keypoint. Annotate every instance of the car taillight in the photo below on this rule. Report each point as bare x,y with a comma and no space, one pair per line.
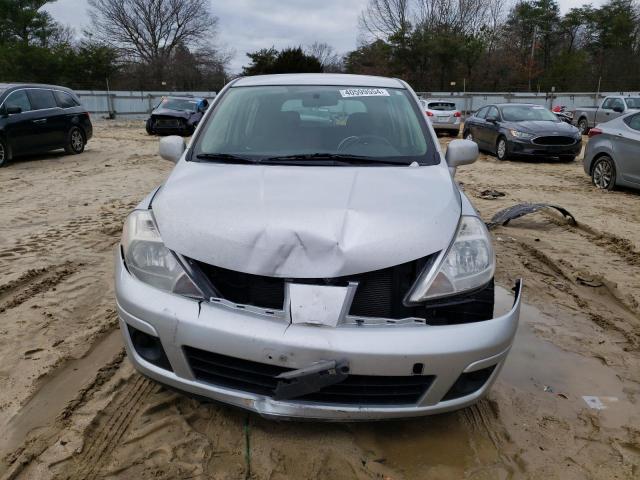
594,131
429,114
457,114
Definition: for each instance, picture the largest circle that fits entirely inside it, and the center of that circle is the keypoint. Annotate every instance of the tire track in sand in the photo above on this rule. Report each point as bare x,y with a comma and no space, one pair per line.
109,429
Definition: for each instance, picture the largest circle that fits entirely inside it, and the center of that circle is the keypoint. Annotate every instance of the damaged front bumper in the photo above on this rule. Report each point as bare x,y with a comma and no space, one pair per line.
374,355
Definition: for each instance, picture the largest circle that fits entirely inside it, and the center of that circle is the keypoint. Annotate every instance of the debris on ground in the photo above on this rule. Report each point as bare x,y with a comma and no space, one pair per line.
490,194
503,217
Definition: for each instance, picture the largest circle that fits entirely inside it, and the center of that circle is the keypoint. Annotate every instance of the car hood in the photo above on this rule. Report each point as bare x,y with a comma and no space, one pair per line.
172,113
306,222
539,127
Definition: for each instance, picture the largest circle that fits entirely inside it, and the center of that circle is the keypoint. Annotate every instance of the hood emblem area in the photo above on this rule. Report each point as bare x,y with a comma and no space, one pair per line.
313,304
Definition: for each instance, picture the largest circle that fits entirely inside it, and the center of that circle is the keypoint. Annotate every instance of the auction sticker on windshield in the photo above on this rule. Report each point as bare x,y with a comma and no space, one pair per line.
364,92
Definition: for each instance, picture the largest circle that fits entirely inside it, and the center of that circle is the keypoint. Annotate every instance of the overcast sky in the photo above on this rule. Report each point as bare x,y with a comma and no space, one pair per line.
248,25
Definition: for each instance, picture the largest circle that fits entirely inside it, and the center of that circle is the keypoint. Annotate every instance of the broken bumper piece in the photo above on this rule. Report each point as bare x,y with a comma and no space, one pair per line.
267,365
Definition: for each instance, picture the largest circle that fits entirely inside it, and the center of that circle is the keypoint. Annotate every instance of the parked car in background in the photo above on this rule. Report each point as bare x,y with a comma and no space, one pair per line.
299,267
443,115
512,130
563,113
176,116
612,155
40,118
611,107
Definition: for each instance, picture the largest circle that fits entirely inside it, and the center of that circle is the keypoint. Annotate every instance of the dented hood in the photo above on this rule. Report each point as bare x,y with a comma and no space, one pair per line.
306,222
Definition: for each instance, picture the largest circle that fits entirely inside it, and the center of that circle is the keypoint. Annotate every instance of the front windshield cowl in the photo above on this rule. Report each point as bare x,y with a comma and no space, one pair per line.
317,123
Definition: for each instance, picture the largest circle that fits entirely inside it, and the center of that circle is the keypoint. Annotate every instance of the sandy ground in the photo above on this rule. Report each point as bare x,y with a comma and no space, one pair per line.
71,406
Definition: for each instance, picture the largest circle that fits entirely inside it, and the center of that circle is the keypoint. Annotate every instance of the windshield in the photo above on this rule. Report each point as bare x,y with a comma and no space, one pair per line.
633,102
442,106
524,113
264,122
179,104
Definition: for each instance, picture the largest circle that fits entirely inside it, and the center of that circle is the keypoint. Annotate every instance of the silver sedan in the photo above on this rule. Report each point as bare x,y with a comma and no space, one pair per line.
612,156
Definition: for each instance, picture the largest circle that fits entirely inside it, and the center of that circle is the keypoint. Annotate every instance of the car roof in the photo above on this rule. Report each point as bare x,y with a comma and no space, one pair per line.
7,86
337,79
184,97
517,105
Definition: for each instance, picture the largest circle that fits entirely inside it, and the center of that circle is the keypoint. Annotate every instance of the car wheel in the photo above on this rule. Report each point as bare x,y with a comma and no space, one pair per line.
4,155
149,127
501,149
75,141
468,136
583,126
603,174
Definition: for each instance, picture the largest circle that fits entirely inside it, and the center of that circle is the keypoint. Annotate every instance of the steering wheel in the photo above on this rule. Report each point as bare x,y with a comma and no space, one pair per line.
364,139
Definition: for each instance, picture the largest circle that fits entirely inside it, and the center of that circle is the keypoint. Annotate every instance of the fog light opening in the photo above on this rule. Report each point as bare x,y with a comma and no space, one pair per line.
149,348
468,383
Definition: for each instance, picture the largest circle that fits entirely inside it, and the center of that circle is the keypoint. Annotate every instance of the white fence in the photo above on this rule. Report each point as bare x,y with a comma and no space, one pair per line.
471,101
121,104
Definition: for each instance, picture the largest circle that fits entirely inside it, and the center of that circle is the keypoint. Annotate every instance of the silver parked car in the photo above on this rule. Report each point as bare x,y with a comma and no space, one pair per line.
299,265
612,155
443,115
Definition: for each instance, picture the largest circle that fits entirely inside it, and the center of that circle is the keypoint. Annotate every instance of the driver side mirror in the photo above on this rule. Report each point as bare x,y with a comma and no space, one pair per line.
618,109
461,152
172,148
492,118
10,111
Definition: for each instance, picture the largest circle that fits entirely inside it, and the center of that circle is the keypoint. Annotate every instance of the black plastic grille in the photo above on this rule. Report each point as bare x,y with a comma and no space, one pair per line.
380,293
554,140
259,378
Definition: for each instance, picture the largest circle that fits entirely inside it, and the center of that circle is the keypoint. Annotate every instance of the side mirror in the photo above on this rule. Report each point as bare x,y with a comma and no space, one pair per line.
12,110
172,148
618,109
461,152
492,119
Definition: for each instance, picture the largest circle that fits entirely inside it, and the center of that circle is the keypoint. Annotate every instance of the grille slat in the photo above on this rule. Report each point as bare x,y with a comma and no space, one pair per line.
554,140
259,378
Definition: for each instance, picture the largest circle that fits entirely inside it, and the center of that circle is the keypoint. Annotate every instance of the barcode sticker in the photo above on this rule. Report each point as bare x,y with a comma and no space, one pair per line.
364,92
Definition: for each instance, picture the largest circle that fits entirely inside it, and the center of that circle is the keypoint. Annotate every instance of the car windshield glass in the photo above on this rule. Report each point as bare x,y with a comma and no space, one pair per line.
442,106
179,104
523,113
315,122
633,102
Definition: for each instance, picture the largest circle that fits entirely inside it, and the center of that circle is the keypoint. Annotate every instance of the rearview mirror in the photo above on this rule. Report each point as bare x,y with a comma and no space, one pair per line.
172,148
461,152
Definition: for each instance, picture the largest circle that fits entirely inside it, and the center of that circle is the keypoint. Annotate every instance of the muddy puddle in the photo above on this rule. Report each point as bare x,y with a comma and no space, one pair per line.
469,443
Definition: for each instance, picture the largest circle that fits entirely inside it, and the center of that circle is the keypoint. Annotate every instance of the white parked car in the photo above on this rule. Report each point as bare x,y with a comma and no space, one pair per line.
443,115
299,265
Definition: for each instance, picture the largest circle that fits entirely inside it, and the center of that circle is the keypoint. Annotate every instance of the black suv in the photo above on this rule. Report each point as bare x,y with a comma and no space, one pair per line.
40,118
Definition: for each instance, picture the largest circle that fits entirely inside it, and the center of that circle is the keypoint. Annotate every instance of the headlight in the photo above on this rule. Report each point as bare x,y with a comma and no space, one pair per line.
149,260
519,134
469,263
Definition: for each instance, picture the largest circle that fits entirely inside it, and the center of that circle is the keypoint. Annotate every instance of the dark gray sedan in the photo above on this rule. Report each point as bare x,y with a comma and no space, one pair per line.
612,156
513,130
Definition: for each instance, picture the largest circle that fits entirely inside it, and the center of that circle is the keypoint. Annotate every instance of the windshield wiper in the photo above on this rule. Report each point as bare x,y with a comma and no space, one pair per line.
331,158
225,157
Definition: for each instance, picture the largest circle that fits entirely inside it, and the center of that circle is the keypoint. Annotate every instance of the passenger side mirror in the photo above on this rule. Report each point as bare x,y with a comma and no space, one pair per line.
461,152
172,148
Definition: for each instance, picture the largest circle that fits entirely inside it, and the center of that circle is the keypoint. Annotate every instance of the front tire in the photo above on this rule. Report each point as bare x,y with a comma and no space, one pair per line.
149,127
583,126
603,174
4,155
467,135
75,141
502,149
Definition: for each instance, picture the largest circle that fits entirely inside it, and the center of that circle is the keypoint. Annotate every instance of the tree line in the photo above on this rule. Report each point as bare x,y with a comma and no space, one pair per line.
477,45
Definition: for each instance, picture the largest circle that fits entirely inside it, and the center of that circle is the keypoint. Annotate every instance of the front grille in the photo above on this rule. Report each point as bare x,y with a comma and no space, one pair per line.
259,378
554,141
167,122
380,294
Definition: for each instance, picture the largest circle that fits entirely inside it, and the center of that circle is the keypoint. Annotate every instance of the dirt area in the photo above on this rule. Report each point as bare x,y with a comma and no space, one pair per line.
71,406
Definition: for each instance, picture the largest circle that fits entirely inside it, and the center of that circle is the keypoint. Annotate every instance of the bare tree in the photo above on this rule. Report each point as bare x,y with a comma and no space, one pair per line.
150,30
387,18
326,55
